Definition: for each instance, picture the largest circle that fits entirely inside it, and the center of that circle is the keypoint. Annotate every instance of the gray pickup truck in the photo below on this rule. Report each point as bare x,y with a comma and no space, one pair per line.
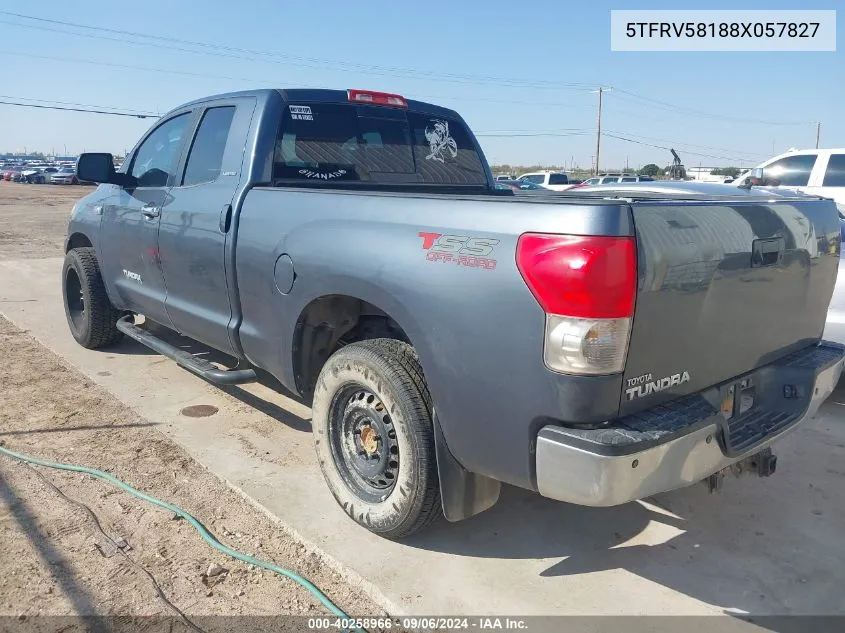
597,348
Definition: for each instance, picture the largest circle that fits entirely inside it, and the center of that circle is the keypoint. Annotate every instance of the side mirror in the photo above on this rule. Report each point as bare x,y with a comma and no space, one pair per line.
755,178
96,167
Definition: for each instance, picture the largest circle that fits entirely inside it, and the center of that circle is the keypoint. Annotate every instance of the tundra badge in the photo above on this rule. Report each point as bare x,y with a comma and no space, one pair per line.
645,385
133,276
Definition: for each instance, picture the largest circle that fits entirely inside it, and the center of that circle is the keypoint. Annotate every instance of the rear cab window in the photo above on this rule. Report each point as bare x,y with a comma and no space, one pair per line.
339,144
558,179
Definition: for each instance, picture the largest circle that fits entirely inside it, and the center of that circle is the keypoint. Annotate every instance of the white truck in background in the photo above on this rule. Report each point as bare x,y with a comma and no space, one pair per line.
554,180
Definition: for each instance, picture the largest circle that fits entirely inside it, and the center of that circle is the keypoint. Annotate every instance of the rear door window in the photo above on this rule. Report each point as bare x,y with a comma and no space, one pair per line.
629,179
835,174
558,179
338,143
790,171
206,155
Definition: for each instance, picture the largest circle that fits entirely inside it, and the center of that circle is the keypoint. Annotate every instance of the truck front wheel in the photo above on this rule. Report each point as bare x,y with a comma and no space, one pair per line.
374,439
90,315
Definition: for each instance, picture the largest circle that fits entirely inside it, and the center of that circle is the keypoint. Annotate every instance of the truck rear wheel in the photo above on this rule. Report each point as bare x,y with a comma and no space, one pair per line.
374,439
90,315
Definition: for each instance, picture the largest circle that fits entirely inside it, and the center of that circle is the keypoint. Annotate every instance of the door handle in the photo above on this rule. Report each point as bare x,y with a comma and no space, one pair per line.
767,252
151,211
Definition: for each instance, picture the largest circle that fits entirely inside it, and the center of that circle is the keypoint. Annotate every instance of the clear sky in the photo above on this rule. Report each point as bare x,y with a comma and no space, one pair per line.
520,74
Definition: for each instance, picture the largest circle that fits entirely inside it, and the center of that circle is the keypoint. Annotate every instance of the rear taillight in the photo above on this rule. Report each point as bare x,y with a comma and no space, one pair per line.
377,98
586,285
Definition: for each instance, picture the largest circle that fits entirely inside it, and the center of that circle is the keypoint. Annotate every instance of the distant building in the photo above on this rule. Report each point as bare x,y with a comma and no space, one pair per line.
702,174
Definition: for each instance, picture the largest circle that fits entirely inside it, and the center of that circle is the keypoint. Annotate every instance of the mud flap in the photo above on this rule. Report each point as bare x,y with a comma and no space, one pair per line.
464,494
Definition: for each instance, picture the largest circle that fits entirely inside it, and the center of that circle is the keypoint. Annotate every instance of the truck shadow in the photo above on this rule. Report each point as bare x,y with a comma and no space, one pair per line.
760,547
291,420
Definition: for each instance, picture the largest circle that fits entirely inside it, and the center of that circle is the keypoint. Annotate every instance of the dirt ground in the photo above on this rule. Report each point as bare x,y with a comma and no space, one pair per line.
33,218
72,544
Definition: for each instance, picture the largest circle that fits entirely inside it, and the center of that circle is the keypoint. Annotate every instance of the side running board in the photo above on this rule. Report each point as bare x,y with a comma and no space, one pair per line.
186,360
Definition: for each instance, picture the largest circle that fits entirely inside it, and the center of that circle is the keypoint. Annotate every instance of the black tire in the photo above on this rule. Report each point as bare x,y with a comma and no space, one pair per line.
400,413
90,315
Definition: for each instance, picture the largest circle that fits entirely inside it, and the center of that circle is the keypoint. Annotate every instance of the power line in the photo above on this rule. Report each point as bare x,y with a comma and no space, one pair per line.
684,144
46,107
134,67
273,82
73,103
539,134
629,140
633,97
225,51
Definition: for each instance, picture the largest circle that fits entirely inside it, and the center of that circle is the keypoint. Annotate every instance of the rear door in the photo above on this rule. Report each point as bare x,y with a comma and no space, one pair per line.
726,287
130,224
196,225
829,178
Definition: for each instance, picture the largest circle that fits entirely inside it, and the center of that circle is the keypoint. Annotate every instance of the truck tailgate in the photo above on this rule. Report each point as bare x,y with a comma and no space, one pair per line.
724,288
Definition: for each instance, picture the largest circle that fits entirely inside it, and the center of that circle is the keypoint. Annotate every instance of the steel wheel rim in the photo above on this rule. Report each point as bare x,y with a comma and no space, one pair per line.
363,442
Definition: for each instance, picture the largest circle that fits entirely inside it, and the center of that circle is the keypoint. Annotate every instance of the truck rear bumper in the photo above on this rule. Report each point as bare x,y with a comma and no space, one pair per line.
676,445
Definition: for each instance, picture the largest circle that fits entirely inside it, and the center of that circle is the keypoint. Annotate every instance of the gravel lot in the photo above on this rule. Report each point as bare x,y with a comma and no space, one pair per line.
57,529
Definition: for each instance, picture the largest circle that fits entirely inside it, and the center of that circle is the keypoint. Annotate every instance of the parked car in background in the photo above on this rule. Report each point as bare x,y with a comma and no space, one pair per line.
31,176
556,181
65,176
8,173
520,186
816,171
834,328
607,179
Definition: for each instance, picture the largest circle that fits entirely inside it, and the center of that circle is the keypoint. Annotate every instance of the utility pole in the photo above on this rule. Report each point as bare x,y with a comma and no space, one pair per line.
598,130
818,132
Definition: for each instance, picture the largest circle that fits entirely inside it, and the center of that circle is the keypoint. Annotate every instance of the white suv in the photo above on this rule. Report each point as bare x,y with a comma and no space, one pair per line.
815,171
555,181
820,172
616,178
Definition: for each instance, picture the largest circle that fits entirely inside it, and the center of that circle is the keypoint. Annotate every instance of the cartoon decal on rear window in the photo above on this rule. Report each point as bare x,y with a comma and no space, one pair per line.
440,141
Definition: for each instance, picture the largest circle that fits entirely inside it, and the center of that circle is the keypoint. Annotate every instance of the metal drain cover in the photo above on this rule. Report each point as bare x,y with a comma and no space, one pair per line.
199,411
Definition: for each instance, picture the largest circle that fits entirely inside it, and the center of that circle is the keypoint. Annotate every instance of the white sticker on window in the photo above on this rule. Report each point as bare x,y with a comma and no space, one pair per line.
322,175
440,141
301,113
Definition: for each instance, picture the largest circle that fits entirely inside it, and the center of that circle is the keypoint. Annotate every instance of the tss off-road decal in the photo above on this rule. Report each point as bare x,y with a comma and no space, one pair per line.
461,250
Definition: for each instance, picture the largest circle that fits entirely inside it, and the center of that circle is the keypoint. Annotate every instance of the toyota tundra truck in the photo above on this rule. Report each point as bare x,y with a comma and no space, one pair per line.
449,336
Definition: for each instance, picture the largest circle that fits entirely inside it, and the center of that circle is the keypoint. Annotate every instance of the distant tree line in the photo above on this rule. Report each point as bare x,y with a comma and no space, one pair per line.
730,172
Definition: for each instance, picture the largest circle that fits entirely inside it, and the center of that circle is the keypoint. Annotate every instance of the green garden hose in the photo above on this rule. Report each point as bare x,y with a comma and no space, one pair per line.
206,535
